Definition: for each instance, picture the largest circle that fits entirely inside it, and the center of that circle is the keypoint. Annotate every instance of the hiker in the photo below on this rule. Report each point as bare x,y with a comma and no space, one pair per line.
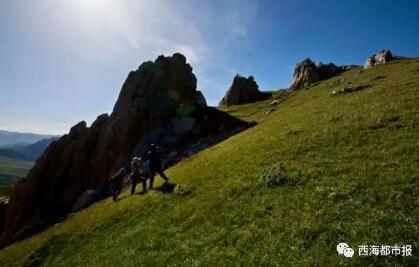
154,158
137,175
116,182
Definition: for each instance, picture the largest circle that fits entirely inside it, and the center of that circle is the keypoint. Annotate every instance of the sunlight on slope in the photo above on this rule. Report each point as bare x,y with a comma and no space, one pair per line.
354,161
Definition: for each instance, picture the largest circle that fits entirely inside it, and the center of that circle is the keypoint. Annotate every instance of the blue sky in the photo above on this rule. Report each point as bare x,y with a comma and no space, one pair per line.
65,61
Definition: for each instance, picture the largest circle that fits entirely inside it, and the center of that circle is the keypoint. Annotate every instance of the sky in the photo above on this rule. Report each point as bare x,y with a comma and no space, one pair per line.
64,61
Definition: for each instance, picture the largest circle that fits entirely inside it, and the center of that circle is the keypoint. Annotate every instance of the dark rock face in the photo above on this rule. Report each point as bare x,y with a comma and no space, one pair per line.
200,99
85,200
243,90
3,209
381,57
85,157
307,72
179,139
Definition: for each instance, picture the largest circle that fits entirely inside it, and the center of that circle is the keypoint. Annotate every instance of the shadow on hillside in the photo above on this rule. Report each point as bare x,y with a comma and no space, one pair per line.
166,188
182,138
188,133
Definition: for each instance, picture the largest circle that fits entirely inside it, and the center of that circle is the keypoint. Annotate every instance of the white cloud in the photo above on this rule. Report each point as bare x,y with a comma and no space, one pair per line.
143,29
128,32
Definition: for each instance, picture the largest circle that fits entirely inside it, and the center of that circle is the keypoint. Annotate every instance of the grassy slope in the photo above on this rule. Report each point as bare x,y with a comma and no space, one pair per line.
10,171
357,181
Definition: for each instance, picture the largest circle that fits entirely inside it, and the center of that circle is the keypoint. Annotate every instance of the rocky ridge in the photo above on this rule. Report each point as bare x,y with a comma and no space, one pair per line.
307,73
243,90
382,57
158,102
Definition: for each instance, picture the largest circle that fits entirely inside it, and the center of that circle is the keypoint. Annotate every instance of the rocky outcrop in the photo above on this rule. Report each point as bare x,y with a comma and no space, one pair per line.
328,70
200,99
381,57
307,72
152,97
242,90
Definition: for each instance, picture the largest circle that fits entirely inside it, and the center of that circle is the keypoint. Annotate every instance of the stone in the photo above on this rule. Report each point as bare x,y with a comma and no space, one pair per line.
382,57
275,102
306,73
243,90
339,81
267,112
200,99
349,89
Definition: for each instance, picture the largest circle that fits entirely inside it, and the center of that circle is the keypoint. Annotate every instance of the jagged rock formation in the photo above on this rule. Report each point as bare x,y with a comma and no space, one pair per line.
307,72
157,94
242,90
200,99
381,57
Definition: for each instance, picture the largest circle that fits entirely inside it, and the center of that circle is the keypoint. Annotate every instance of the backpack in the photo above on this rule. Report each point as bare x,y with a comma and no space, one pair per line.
146,166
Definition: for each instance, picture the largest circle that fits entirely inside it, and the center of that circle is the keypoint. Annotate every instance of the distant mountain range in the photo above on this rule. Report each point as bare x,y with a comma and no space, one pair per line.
27,152
10,139
23,146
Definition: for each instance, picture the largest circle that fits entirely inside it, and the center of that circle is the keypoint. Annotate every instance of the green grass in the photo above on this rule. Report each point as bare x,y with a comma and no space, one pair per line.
348,172
10,171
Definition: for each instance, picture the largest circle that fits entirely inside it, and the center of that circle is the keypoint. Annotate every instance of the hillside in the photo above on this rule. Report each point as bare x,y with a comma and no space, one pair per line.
347,169
11,170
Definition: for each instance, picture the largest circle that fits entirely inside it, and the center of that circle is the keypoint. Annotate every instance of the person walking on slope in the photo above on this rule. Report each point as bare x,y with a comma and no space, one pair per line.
137,175
154,158
116,182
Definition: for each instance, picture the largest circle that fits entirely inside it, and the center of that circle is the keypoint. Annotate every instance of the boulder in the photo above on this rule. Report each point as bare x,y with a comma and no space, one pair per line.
275,102
348,89
307,72
242,90
381,57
